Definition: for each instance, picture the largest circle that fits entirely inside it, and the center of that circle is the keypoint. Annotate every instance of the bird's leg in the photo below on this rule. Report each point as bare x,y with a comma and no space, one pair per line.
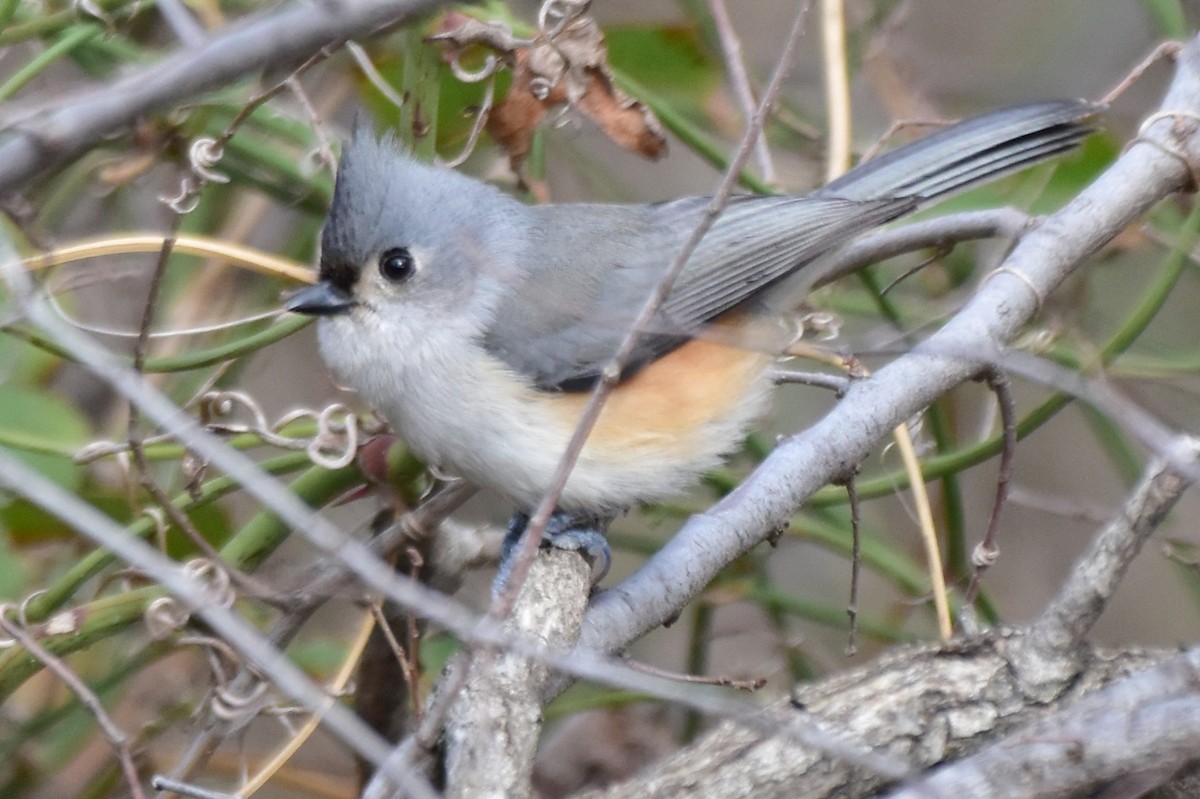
573,531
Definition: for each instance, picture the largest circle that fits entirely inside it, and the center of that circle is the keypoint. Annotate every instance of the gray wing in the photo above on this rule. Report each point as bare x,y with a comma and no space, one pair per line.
591,268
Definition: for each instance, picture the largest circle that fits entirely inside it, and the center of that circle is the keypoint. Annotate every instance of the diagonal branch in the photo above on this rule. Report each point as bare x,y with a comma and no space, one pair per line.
1153,167
52,137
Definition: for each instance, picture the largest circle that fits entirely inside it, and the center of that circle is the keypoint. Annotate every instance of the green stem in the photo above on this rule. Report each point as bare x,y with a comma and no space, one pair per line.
422,86
69,41
101,618
825,614
7,7
93,622
48,24
230,350
192,360
697,659
54,597
1144,312
260,536
953,513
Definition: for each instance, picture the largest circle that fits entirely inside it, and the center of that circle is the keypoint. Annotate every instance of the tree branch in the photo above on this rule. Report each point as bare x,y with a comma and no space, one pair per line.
1127,739
922,704
930,704
1046,657
1150,169
496,719
53,136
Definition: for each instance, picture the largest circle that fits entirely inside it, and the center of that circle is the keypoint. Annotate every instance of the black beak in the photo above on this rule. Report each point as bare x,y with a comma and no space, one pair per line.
322,299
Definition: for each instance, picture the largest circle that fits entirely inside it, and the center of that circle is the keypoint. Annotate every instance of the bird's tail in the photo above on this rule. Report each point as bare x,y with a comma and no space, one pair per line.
973,151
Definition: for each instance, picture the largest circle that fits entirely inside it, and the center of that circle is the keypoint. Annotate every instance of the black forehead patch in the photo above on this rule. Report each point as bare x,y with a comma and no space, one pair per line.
361,195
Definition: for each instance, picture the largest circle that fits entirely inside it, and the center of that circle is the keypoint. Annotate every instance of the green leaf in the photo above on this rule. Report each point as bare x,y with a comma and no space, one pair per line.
40,429
1169,17
14,572
671,62
29,525
455,100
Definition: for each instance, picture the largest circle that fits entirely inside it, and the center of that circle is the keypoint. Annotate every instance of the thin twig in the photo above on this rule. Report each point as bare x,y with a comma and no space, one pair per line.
1001,223
406,664
373,75
161,783
136,441
1165,50
835,383
115,735
736,67
986,551
74,123
324,150
1083,596
697,679
855,563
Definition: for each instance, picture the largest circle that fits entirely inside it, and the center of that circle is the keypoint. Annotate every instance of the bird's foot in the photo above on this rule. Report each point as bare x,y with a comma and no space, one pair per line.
573,532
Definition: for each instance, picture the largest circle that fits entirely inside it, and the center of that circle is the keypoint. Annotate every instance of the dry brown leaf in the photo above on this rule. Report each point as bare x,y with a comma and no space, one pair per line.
571,69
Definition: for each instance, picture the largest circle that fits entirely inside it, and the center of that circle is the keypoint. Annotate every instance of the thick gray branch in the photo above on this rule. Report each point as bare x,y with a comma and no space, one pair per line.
1127,739
920,704
496,719
932,704
975,338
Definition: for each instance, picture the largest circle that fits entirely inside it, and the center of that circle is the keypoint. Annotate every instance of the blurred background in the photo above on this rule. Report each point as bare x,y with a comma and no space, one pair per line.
779,613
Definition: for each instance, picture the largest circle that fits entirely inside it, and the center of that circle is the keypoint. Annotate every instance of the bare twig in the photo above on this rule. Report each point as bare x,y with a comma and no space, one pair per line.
161,783
372,74
115,735
74,123
1164,50
855,563
736,67
1002,223
986,551
835,383
1051,648
698,679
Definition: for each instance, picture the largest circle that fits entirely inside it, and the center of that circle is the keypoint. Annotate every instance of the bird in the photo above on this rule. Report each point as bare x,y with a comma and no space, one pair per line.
477,324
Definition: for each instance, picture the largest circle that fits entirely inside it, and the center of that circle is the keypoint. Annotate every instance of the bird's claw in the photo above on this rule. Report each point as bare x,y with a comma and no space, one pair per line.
565,531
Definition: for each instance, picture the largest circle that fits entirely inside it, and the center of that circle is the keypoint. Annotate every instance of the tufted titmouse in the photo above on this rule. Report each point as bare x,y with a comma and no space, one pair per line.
477,324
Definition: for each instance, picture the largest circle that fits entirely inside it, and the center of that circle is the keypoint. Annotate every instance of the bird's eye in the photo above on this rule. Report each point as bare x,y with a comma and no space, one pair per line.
397,264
